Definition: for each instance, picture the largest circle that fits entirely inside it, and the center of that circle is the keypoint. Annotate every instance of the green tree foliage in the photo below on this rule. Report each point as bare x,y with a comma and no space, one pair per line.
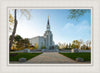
20,45
23,43
26,43
20,42
77,13
17,38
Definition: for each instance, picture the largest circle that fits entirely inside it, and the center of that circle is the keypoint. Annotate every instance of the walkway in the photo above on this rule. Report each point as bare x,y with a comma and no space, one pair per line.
51,57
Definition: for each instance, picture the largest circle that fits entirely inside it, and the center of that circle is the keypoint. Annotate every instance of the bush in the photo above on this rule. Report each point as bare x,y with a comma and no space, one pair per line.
43,47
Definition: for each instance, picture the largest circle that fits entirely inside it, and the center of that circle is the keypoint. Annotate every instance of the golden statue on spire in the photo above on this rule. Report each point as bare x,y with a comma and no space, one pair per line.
48,16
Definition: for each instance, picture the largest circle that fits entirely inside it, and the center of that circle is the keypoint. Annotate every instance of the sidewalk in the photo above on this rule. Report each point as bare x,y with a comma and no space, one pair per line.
51,57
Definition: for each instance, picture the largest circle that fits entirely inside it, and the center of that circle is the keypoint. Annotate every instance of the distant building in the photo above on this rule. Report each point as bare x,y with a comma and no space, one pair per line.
44,41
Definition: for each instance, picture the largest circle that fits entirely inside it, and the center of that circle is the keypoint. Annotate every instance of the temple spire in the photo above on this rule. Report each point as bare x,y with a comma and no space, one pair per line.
48,20
48,25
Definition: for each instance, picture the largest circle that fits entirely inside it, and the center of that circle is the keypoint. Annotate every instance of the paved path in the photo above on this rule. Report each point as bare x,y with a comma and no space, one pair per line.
51,57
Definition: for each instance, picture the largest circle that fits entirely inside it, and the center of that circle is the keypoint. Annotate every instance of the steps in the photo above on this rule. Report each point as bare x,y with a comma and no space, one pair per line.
49,50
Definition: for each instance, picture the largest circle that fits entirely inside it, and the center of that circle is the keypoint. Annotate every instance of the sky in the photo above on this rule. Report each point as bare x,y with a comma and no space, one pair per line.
64,30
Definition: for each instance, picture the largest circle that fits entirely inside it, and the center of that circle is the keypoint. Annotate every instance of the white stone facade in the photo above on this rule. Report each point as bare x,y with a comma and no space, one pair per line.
46,40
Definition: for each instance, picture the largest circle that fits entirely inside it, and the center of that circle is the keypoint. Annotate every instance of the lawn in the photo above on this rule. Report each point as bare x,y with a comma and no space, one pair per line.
85,56
16,56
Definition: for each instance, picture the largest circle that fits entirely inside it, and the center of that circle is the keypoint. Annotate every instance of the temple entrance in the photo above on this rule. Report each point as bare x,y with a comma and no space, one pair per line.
52,48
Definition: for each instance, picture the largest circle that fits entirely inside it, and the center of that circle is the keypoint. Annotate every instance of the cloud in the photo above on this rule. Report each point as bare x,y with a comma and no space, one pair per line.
78,31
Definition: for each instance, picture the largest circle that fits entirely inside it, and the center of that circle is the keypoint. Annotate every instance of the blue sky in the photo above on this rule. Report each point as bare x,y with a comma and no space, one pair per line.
64,30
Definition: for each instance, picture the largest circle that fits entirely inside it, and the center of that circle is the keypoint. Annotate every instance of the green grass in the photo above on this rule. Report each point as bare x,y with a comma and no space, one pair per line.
85,56
16,56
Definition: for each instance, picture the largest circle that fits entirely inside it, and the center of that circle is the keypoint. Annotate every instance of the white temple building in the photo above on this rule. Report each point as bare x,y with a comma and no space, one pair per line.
45,40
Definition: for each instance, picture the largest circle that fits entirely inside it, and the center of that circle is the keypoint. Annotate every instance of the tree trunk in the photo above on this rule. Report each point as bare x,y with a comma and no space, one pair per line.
14,30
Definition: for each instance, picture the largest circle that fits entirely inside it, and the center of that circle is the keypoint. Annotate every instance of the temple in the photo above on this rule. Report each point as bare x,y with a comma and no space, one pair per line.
44,41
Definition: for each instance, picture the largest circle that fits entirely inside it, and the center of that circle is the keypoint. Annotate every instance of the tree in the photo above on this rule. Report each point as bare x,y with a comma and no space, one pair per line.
15,23
16,41
59,45
67,46
13,45
89,44
26,43
76,44
84,47
77,13
19,42
81,42
17,38
14,30
11,21
70,45
62,46
20,45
